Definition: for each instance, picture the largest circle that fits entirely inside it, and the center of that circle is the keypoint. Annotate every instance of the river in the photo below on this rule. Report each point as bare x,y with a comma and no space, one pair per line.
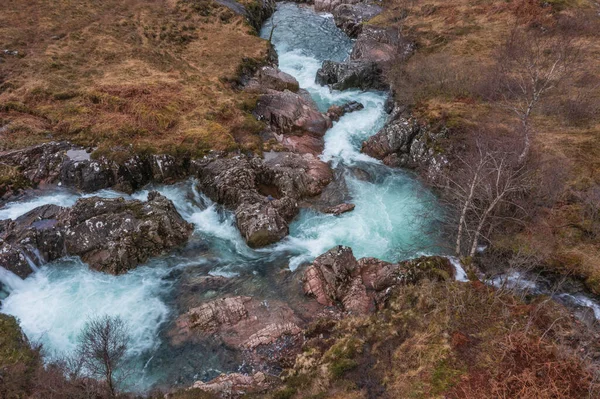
394,219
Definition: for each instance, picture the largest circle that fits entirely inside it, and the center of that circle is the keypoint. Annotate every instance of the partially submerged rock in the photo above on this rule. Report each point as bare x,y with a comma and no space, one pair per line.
111,235
335,112
264,194
337,278
339,209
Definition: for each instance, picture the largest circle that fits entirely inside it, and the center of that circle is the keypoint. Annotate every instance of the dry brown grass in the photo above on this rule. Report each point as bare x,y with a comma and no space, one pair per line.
155,74
446,82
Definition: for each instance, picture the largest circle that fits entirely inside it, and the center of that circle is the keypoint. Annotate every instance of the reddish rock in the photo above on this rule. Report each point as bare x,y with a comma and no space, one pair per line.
264,331
287,112
234,385
337,278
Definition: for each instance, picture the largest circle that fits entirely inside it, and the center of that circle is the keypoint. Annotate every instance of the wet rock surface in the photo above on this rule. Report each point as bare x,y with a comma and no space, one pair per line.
362,75
66,164
405,143
337,278
335,112
264,193
111,235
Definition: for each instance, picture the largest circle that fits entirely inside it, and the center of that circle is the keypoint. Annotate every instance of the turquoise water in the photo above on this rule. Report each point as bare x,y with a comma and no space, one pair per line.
394,219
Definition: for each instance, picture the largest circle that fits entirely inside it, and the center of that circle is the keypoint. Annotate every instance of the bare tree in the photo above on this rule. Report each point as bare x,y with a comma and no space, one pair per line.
528,66
482,190
102,348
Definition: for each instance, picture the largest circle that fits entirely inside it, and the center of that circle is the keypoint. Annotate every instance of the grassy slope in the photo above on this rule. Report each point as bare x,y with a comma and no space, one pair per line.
457,41
153,73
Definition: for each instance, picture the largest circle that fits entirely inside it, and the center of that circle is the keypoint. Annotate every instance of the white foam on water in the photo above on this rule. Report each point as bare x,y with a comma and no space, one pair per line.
389,222
584,301
14,209
461,275
54,304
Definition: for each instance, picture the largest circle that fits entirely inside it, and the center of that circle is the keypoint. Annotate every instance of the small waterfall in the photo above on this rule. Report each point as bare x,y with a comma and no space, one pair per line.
30,262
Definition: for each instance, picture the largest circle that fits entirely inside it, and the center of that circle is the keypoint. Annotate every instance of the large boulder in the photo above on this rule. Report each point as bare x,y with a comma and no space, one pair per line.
286,112
272,78
351,17
111,235
337,278
351,74
264,193
392,143
264,222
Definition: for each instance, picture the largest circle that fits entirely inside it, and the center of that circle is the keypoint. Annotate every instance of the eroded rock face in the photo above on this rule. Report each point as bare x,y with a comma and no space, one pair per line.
350,17
72,166
337,278
265,331
111,235
351,74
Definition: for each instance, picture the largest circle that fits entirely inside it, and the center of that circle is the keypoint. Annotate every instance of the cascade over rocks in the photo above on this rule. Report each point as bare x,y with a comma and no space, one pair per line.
111,235
337,278
351,74
264,194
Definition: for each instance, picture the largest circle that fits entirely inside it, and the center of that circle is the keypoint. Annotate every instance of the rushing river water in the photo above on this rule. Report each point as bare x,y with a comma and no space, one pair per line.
392,220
